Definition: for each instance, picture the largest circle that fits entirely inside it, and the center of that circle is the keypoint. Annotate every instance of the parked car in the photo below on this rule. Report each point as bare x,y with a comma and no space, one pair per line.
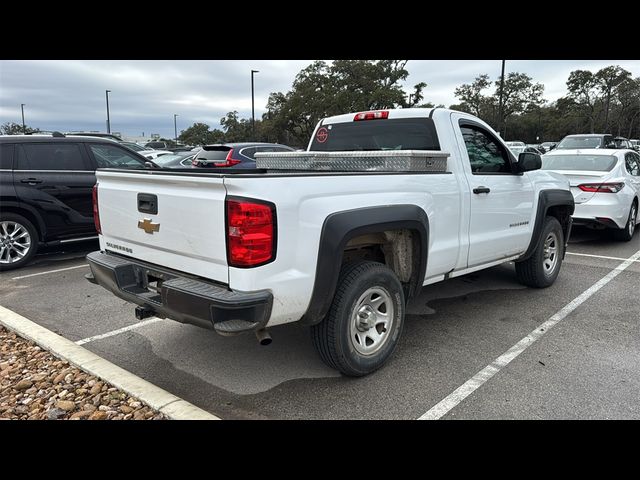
236,155
175,160
46,187
156,145
153,154
605,187
635,144
339,243
584,141
533,149
623,143
516,147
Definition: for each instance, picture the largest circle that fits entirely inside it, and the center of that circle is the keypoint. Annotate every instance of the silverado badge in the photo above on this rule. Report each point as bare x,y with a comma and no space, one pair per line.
148,226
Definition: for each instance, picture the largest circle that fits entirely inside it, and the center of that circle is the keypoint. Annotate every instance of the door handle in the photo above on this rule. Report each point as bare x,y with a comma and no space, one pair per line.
481,190
30,181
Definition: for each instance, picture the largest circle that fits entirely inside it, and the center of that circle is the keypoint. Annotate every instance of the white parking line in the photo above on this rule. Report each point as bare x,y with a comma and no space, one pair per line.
118,331
475,382
600,256
49,271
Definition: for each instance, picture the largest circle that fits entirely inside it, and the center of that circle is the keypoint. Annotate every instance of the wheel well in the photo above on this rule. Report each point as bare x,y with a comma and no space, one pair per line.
29,216
397,249
563,214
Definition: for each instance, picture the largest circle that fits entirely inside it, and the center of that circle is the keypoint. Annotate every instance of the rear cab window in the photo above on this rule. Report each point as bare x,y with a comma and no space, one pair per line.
378,134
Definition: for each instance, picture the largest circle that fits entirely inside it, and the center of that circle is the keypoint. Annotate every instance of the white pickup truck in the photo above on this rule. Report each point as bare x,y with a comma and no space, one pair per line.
338,237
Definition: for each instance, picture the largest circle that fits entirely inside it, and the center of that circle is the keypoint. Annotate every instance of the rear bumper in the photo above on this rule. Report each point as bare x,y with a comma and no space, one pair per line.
606,209
178,297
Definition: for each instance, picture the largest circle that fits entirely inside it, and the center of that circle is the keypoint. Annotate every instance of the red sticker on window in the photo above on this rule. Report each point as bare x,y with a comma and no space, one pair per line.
322,135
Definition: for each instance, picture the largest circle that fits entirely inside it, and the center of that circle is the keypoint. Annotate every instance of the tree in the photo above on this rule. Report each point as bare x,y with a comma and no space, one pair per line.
199,134
608,80
470,94
519,93
236,129
582,87
12,128
321,90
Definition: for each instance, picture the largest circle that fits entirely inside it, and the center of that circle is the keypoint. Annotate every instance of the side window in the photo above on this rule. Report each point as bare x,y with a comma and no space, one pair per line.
282,149
251,152
486,155
51,156
112,156
632,161
6,156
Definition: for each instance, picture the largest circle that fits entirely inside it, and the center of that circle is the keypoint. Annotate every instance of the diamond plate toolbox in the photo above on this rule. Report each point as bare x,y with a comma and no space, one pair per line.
360,161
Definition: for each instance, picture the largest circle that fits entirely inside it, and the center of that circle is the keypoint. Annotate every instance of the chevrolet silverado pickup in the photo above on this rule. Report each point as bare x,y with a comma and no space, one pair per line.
337,237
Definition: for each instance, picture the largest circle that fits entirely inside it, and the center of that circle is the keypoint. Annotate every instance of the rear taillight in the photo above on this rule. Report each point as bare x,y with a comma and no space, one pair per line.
96,213
251,232
371,115
228,161
601,187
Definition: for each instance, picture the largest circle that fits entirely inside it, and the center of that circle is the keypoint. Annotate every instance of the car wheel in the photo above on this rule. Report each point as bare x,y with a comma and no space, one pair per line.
18,241
364,322
541,269
625,234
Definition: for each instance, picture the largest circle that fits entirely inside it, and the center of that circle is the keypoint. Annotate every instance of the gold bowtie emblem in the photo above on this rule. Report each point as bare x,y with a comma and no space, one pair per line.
148,226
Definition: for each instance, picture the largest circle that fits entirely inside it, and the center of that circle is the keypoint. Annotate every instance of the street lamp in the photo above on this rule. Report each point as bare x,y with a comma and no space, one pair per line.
501,106
175,128
24,129
253,112
108,120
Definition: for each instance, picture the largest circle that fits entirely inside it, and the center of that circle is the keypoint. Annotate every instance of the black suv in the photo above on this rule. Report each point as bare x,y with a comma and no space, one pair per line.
46,190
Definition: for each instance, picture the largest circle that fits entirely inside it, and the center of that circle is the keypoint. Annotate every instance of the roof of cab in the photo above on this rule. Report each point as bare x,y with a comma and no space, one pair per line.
49,139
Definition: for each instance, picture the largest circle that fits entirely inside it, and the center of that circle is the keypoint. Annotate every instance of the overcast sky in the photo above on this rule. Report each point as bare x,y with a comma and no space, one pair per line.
70,95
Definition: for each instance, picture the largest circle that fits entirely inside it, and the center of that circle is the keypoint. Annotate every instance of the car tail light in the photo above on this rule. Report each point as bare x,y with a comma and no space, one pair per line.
251,232
96,213
371,115
601,187
228,162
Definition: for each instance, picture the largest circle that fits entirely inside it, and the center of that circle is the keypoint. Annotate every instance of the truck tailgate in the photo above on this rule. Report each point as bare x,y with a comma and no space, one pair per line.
188,231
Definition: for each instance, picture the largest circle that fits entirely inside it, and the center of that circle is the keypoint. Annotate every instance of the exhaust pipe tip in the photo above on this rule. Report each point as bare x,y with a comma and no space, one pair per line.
263,337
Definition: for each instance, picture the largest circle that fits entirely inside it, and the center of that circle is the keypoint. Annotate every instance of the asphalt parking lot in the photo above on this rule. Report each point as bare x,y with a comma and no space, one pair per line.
585,367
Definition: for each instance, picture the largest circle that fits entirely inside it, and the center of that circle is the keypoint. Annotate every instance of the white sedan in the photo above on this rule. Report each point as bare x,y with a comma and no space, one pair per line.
605,186
153,154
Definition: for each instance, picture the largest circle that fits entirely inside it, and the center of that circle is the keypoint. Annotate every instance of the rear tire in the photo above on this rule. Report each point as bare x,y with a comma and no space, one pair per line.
541,269
625,234
18,241
365,320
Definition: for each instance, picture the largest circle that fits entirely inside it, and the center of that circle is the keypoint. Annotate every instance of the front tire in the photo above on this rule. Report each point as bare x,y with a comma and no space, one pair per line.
541,269
365,320
18,241
625,234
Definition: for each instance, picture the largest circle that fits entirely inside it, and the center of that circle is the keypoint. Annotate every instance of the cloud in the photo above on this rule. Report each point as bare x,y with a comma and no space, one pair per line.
145,94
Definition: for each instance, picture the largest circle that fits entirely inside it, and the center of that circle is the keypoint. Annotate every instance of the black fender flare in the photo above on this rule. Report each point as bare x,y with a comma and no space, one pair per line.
340,227
547,199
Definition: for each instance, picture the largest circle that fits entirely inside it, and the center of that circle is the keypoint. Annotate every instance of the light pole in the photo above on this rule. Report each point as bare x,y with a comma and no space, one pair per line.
410,96
253,112
500,107
24,129
108,120
175,128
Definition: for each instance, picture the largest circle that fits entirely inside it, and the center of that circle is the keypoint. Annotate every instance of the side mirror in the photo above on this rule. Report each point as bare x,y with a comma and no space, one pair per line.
528,161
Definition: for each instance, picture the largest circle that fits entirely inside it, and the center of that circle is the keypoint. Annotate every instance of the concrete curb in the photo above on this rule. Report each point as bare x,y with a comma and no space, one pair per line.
173,407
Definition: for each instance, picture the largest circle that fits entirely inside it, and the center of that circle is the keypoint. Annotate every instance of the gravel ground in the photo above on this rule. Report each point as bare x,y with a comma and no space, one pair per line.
35,385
